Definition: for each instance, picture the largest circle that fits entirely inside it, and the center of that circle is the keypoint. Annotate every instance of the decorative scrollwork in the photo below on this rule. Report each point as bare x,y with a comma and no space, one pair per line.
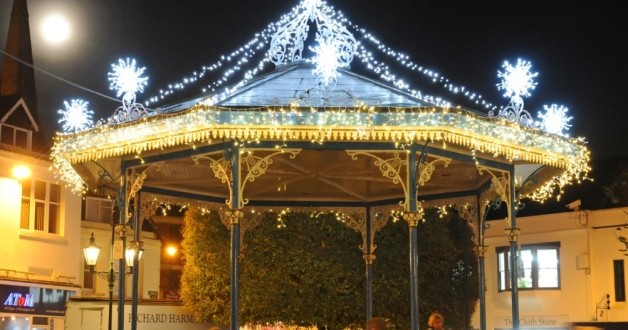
129,112
390,168
500,184
334,41
413,218
513,234
514,112
427,169
255,167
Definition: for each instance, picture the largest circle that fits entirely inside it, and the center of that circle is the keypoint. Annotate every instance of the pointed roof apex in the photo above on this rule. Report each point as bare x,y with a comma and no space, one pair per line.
16,77
336,45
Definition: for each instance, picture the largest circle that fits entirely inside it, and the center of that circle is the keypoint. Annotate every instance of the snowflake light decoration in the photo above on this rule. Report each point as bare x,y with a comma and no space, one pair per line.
517,81
336,45
325,61
555,119
127,80
76,116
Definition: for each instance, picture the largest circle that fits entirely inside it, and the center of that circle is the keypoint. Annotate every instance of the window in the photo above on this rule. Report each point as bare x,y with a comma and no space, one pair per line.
88,278
41,206
620,285
537,267
15,136
98,209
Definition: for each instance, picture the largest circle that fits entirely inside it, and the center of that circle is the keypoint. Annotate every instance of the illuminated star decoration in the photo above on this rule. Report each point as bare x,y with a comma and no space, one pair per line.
325,60
555,119
517,81
76,116
127,80
336,45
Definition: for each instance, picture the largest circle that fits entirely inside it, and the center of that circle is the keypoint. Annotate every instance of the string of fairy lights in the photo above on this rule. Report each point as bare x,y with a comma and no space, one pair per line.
134,129
244,54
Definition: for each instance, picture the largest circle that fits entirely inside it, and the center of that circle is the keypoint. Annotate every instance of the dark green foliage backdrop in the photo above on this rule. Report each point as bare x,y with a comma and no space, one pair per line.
309,270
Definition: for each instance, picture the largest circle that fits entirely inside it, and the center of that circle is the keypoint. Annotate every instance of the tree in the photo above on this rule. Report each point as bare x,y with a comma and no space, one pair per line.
447,274
205,279
306,270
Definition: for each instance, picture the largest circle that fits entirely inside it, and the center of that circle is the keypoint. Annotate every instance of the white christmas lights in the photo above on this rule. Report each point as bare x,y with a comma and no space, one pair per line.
241,58
517,81
400,126
76,116
126,79
555,119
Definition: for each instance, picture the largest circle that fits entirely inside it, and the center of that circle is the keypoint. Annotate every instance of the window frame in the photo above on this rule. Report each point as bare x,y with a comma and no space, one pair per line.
14,134
98,203
503,266
36,209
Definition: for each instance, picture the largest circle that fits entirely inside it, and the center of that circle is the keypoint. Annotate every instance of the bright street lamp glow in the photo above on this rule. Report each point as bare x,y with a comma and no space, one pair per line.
21,172
171,250
55,29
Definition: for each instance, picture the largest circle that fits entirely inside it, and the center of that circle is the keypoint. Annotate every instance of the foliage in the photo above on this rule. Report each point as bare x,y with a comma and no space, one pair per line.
310,271
617,192
307,271
447,274
205,280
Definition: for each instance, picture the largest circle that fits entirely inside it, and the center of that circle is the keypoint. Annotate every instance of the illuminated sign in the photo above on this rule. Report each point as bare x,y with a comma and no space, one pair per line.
18,300
33,300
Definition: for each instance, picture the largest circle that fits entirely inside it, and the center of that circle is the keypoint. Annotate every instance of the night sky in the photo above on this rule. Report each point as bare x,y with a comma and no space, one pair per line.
579,48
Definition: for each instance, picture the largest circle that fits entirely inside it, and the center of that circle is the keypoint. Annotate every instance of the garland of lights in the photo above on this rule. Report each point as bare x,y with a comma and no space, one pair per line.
511,134
244,54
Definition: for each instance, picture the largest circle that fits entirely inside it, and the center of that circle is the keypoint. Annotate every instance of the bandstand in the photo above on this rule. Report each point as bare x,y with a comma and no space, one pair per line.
306,138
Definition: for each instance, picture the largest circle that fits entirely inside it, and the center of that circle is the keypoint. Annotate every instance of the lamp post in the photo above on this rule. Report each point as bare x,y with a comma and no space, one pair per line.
91,253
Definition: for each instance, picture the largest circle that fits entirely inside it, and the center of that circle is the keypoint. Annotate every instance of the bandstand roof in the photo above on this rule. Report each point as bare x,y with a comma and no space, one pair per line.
305,143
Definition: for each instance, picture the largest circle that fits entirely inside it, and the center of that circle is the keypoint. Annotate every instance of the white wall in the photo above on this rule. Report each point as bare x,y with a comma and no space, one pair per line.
48,256
587,238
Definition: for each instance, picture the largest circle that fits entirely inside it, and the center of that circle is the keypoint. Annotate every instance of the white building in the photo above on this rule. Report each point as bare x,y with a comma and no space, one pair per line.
591,276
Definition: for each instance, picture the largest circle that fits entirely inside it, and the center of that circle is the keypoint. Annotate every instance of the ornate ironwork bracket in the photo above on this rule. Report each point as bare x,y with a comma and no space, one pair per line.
427,169
390,168
135,181
480,250
255,167
369,258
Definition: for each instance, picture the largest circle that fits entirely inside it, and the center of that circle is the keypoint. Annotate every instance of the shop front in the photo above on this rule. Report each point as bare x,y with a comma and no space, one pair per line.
35,306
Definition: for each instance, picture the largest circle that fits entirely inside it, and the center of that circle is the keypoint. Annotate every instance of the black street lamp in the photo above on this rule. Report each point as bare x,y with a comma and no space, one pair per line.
91,253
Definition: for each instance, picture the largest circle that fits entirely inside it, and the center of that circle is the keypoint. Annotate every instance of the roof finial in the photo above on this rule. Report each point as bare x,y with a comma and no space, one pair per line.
336,45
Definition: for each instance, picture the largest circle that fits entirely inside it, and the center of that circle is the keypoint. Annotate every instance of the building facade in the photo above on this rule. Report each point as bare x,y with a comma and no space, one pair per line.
571,269
40,237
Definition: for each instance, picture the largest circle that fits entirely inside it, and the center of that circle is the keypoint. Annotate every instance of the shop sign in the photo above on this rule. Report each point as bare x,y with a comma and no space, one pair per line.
33,300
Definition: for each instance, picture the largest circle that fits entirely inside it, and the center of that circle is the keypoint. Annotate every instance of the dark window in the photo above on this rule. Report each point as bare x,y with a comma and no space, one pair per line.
618,272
